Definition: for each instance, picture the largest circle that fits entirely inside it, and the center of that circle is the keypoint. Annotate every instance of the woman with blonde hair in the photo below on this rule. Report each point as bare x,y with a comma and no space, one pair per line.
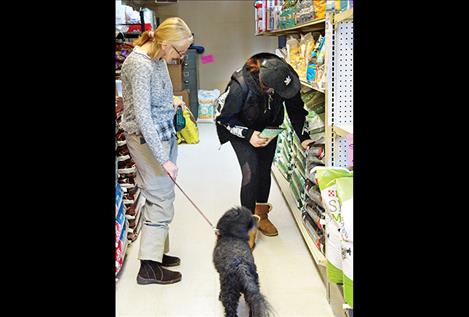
151,138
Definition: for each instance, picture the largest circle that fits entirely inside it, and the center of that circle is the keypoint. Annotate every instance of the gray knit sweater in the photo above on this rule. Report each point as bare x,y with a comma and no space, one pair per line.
148,101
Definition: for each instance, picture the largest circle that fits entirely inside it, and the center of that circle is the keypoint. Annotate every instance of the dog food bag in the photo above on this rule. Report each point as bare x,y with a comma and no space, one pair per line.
326,179
345,195
207,101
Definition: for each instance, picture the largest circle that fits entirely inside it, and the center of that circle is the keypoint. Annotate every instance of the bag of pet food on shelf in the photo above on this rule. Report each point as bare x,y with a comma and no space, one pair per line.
207,100
293,49
313,61
345,196
301,66
326,179
319,9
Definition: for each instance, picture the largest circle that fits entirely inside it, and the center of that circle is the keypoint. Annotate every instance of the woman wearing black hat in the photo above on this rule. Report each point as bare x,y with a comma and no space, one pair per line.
253,102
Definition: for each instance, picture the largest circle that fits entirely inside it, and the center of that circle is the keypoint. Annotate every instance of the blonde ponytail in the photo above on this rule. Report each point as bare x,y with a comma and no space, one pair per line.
172,30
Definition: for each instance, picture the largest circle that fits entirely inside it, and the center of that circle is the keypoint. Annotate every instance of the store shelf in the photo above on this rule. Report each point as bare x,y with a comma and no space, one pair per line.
306,27
131,35
312,85
344,16
343,129
287,194
335,297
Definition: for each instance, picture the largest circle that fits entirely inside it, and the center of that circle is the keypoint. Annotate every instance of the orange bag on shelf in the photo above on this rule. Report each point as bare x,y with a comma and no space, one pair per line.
319,9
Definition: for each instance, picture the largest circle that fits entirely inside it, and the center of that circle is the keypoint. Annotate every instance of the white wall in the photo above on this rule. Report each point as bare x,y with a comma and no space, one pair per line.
226,30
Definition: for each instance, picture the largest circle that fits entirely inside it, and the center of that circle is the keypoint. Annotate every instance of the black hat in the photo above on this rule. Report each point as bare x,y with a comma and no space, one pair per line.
277,74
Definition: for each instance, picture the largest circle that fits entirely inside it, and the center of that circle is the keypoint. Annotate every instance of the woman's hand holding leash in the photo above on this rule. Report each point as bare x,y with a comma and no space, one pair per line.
171,169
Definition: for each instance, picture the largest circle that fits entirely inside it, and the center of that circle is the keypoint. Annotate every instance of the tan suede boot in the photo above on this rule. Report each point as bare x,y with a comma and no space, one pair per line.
253,232
265,226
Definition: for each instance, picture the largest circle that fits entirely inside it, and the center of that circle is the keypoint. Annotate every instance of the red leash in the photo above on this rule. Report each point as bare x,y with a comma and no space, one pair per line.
198,209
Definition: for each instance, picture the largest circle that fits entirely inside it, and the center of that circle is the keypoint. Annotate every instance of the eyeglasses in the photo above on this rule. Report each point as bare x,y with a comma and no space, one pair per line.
181,55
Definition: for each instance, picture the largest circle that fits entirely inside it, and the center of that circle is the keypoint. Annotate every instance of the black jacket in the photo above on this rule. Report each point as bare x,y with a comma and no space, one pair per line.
243,113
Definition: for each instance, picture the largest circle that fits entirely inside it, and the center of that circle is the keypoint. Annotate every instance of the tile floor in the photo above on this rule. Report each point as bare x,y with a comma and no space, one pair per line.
210,175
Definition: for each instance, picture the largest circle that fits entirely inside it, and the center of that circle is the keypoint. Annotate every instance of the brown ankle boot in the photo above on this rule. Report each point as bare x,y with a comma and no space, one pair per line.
265,226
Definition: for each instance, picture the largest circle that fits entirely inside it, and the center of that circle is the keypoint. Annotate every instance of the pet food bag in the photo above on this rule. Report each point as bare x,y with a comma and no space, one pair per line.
319,9
207,101
326,179
345,195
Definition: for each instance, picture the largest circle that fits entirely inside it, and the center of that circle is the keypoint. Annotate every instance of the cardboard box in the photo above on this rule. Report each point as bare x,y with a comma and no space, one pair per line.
184,94
175,72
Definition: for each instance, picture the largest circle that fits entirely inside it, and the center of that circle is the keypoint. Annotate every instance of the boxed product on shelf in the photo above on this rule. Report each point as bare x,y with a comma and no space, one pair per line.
260,16
288,15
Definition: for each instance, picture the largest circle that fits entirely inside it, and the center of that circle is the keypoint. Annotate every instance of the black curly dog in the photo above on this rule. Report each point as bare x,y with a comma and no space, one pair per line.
234,262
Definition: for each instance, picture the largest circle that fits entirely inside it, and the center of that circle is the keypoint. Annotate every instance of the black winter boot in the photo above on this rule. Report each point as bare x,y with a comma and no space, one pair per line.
152,272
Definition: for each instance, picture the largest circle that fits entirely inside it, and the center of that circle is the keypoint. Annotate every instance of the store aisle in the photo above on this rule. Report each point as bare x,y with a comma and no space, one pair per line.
211,177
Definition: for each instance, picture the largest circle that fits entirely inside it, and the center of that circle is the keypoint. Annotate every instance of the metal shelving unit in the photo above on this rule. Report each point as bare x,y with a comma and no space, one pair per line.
343,129
344,16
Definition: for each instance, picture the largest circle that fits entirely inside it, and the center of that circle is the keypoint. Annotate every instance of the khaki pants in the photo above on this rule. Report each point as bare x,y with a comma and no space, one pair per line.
158,190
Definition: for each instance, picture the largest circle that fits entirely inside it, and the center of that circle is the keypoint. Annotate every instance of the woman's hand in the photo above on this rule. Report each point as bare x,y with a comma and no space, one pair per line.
257,141
179,103
307,143
171,168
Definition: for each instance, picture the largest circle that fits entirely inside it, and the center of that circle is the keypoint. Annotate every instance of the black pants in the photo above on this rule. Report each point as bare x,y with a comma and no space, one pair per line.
255,166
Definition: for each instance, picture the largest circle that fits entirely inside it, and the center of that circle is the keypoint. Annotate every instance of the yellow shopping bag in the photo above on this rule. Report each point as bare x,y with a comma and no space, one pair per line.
190,133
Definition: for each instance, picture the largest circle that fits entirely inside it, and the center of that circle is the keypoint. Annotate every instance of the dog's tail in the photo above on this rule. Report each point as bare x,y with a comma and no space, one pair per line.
258,304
